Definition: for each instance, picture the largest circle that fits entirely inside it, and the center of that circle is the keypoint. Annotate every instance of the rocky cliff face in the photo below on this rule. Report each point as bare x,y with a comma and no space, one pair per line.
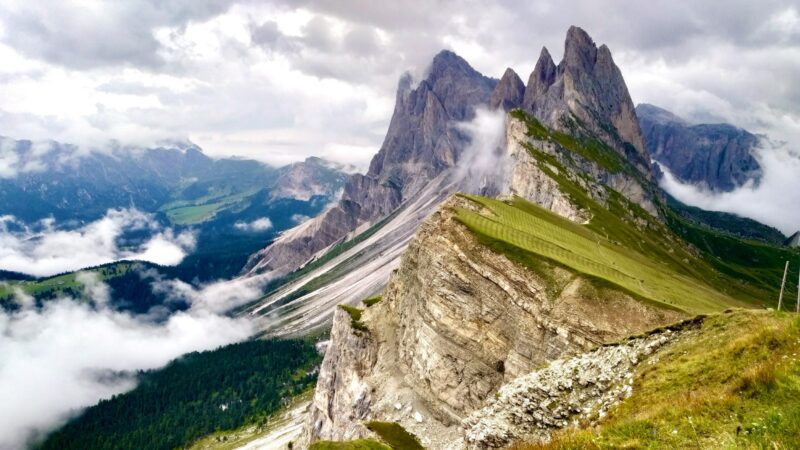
420,144
794,240
717,156
528,177
456,322
586,93
567,392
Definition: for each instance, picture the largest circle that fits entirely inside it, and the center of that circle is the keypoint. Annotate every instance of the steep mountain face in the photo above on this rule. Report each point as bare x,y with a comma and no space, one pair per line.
794,240
307,179
463,315
504,318
586,94
716,156
420,144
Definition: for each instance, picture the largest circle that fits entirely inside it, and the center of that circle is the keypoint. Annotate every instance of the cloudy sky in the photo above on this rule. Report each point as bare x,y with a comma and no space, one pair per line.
285,79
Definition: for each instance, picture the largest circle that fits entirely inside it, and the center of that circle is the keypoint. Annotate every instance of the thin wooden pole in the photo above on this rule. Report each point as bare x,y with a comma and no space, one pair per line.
797,310
783,285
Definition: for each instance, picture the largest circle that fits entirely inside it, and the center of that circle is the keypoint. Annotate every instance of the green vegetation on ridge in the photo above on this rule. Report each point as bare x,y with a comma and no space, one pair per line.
392,435
747,271
533,229
395,435
358,444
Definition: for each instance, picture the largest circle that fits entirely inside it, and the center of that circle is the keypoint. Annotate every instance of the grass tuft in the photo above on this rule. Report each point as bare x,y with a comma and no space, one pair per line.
395,435
355,317
358,444
371,301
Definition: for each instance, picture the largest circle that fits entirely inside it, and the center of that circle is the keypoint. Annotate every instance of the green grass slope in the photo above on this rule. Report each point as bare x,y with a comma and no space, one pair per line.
735,384
701,259
391,434
519,226
65,284
358,444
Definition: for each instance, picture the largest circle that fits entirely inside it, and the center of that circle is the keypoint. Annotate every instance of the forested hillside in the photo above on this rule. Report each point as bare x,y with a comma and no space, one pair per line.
193,396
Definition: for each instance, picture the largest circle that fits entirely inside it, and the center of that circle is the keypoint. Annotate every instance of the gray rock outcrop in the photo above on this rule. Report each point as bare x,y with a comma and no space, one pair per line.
567,392
794,240
456,322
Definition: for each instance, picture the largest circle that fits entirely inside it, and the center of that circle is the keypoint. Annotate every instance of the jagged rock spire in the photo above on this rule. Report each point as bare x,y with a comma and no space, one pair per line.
588,88
542,77
509,92
419,133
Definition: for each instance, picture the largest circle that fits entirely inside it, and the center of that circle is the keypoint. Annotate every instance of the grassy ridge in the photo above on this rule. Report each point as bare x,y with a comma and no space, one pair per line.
392,435
358,444
395,435
748,271
735,384
536,230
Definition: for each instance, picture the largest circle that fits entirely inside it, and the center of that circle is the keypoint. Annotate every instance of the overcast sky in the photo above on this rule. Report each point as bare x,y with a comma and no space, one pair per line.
282,80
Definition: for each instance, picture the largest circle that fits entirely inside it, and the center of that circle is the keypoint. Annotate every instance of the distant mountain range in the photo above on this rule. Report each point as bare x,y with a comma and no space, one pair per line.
59,180
716,156
179,184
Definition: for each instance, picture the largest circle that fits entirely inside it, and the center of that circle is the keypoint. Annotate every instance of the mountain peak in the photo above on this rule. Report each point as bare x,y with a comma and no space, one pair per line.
586,87
542,77
447,63
509,92
579,48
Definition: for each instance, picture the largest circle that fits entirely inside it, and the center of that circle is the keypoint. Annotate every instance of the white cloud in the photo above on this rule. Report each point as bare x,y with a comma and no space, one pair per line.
774,201
484,161
261,224
281,80
299,218
70,354
48,250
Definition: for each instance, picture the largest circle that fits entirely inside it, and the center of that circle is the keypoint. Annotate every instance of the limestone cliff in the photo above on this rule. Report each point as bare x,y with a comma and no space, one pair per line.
456,322
537,161
508,93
